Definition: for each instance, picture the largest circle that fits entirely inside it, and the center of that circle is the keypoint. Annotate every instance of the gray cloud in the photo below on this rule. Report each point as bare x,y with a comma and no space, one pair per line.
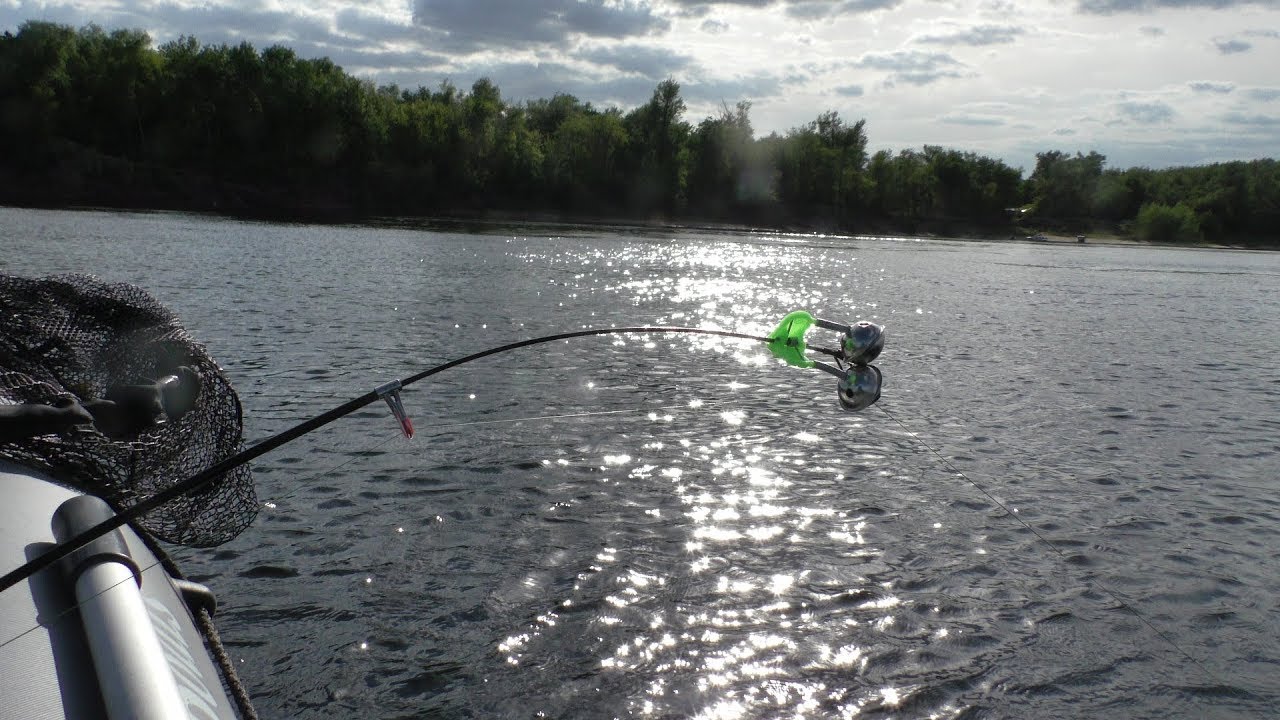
923,77
827,66
714,27
475,24
1146,113
810,71
1231,47
1115,7
912,67
1220,88
233,24
12,17
646,60
717,90
1168,151
521,81
359,23
849,91
357,40
973,120
906,60
219,24
1151,31
819,9
358,60
976,36
799,9
1064,132
1255,121
1263,94
703,8
530,81
695,11
707,4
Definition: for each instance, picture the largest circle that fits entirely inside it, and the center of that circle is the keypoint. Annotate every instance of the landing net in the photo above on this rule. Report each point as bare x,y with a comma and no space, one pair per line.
74,336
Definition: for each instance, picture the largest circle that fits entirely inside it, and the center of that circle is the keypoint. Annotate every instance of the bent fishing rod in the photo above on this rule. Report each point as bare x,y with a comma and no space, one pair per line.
858,387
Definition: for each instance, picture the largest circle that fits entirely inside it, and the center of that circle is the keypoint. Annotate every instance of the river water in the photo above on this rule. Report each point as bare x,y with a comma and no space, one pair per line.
1064,506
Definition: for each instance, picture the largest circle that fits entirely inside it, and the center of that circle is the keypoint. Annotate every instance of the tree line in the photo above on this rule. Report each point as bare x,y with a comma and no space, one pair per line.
90,116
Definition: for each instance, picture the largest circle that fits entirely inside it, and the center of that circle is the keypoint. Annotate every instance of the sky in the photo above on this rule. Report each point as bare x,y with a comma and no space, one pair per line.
1153,83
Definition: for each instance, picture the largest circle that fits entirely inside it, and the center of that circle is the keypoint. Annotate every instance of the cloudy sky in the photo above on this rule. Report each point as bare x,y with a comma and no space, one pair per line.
1145,82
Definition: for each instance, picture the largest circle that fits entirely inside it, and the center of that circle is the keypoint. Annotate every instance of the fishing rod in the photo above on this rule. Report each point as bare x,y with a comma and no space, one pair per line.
858,387
49,622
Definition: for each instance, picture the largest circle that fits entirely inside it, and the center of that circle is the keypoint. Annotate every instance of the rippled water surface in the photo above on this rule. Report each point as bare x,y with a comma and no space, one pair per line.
1064,506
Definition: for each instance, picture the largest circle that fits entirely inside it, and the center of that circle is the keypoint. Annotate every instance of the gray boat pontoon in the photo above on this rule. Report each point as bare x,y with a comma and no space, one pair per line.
111,630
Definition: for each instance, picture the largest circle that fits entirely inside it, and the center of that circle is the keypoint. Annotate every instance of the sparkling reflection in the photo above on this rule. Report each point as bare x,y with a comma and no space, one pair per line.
491,603
746,642
740,583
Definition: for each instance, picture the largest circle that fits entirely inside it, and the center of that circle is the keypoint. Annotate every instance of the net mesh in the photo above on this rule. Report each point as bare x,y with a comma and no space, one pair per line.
74,336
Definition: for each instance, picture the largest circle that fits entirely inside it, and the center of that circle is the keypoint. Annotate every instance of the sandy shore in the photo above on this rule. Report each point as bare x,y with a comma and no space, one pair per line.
1105,239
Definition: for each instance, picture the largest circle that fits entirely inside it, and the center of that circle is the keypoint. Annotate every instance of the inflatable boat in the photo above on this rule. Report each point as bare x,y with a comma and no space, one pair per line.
106,403
108,633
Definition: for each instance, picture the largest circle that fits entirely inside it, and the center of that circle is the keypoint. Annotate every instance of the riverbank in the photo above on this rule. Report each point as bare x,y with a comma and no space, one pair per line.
1114,239
552,222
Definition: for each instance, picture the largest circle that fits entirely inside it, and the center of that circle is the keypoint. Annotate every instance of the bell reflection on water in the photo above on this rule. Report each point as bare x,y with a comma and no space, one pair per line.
859,387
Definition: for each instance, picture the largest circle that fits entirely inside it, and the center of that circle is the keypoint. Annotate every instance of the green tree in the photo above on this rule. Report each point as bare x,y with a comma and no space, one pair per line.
821,168
1120,194
546,116
902,186
1164,223
584,162
95,116
35,85
1064,186
727,174
658,151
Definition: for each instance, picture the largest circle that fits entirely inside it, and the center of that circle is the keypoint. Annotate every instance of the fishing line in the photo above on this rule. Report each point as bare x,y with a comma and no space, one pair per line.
1220,487
561,416
389,392
362,454
564,416
1066,561
60,616
858,387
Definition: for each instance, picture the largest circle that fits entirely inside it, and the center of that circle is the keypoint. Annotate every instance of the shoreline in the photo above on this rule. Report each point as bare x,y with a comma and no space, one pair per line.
1111,239
343,216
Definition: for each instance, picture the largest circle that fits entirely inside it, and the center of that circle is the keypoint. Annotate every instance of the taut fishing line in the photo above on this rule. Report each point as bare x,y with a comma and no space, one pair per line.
300,485
1095,583
362,454
858,387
